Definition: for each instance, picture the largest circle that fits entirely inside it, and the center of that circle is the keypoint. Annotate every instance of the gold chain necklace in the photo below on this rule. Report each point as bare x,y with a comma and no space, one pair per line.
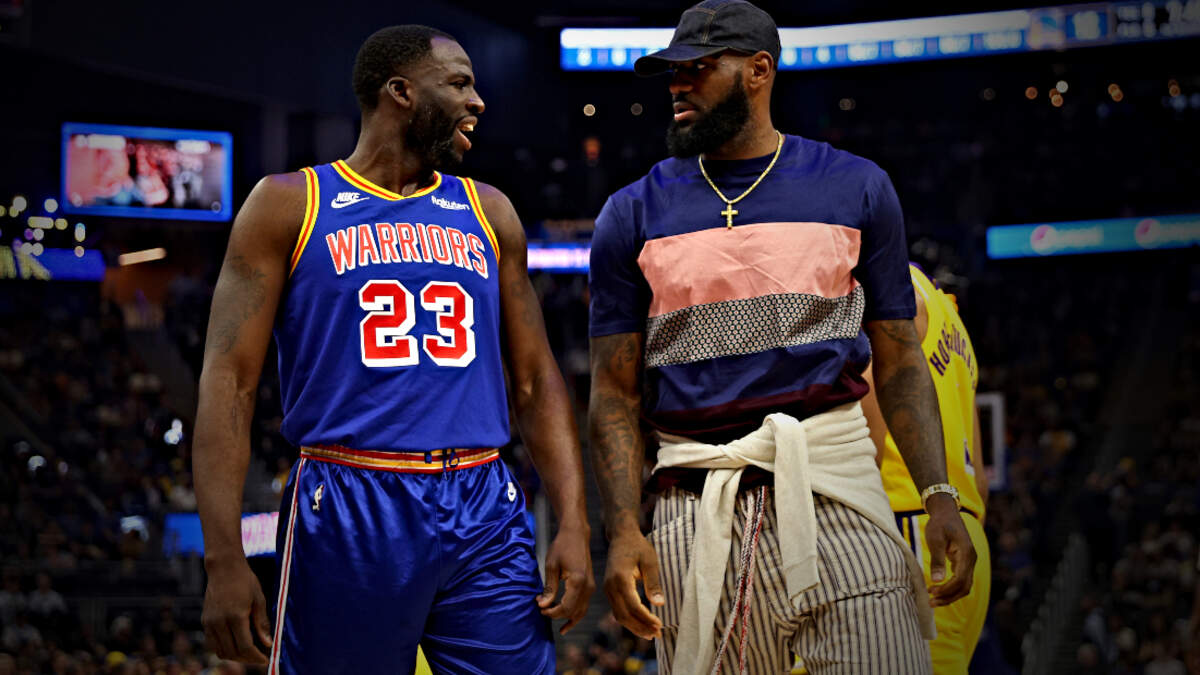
729,211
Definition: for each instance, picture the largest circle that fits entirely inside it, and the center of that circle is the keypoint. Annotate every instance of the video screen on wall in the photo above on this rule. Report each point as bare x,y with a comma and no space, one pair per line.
147,172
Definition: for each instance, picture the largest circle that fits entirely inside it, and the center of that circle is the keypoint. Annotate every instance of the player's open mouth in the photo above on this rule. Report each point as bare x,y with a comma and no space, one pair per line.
684,112
465,127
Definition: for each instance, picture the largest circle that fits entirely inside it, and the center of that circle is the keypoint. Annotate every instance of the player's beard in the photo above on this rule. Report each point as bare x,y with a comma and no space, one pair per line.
431,137
719,126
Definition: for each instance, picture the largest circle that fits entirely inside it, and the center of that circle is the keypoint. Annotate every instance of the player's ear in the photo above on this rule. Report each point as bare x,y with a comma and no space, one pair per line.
399,89
759,69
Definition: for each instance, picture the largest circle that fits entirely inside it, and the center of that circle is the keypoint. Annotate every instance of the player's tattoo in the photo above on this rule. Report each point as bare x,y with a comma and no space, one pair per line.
907,400
900,332
521,289
617,446
240,413
250,291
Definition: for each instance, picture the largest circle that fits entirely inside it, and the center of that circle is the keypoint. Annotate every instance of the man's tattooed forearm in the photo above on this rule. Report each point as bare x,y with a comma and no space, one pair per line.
910,409
526,299
249,292
902,332
617,450
617,447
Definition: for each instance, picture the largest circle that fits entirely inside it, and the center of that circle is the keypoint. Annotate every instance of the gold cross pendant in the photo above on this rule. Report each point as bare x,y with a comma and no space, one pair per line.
729,213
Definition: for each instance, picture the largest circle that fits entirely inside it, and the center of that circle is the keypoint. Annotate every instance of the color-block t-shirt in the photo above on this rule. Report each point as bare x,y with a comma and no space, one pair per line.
764,317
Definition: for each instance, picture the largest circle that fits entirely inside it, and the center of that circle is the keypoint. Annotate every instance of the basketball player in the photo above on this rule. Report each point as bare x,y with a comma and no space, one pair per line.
398,296
729,292
951,362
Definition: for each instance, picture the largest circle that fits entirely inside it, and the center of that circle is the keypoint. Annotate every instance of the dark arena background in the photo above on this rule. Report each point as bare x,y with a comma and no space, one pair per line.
1048,164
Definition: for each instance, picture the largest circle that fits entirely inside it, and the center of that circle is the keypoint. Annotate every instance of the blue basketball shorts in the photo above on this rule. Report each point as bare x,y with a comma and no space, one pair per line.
382,552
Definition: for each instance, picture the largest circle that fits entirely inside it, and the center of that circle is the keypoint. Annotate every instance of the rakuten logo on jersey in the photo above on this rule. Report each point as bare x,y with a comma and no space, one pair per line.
447,204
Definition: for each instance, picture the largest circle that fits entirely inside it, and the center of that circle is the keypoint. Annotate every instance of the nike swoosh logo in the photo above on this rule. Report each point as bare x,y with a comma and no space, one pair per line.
339,204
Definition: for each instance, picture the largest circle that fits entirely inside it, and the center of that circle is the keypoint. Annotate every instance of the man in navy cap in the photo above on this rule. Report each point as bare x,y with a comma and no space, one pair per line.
738,292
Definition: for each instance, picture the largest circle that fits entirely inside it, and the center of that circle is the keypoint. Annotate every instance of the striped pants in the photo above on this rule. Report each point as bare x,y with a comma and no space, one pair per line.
859,620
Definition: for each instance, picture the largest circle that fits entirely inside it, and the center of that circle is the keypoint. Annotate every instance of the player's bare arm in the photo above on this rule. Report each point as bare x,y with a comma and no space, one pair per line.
870,403
239,332
909,405
617,451
545,418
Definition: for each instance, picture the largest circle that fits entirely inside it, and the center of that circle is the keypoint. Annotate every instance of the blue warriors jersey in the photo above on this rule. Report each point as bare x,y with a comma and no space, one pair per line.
388,332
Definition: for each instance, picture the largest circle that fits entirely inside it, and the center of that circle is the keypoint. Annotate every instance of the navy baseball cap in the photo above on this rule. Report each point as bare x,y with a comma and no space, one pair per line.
710,28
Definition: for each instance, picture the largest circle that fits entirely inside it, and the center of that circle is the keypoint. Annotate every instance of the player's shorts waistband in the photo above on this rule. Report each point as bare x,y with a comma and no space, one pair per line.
431,461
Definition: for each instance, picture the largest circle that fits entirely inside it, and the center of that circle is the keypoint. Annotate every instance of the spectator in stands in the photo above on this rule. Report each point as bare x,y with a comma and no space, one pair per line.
1194,623
12,600
45,601
1165,662
20,632
577,662
1088,660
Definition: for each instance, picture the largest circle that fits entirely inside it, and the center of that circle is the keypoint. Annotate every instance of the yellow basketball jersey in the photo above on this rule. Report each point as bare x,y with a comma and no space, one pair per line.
951,362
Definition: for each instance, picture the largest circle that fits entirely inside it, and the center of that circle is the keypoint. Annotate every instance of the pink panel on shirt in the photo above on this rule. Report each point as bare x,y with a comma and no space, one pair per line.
749,261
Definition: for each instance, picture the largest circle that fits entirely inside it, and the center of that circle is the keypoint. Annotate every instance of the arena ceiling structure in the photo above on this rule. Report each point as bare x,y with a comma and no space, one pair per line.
272,51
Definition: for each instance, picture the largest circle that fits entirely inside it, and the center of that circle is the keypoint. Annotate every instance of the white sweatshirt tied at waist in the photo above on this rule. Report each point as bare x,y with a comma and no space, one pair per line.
830,453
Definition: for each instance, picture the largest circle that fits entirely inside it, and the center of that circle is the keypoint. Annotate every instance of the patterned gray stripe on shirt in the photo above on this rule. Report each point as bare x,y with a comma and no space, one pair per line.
735,327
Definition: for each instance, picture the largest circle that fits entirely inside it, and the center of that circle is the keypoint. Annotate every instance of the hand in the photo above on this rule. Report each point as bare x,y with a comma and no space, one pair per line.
570,561
631,557
946,535
233,602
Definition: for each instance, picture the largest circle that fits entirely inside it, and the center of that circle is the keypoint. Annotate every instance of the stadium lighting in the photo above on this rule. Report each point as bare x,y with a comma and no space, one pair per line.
136,257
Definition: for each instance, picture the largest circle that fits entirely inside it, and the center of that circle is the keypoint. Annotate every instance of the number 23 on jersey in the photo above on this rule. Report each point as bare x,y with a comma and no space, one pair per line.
391,314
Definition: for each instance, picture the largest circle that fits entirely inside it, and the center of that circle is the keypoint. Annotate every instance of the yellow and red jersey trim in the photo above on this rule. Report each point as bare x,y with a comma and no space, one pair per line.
433,461
312,201
361,183
477,205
